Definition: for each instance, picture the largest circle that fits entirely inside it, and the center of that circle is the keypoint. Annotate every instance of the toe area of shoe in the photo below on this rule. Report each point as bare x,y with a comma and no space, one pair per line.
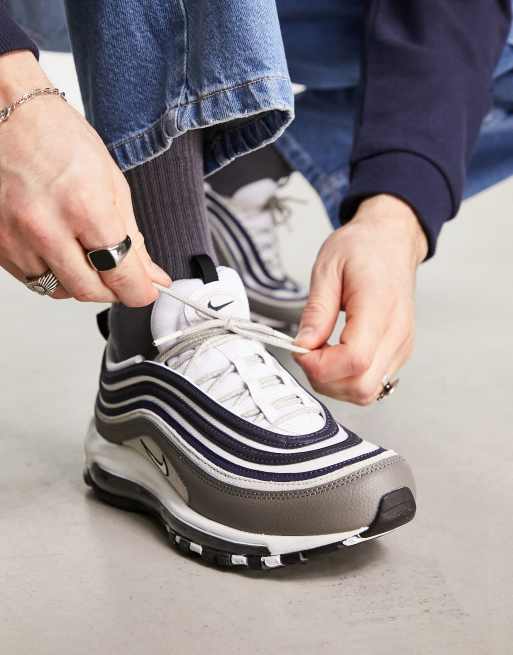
360,500
348,503
366,494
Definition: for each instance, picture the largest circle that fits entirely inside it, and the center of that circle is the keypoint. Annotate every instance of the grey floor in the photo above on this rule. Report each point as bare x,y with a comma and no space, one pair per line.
78,577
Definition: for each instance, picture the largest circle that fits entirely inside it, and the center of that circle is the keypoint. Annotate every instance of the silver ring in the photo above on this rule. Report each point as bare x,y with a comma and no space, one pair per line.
388,387
105,259
44,285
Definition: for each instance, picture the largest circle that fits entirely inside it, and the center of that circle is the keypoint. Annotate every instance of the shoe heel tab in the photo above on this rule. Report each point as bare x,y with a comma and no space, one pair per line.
102,321
204,268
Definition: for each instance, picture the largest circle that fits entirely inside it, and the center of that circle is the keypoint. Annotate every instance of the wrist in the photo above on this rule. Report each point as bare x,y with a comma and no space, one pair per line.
20,72
395,213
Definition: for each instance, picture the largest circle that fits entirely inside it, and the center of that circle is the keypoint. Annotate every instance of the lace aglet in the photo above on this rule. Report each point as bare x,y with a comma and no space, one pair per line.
167,338
298,349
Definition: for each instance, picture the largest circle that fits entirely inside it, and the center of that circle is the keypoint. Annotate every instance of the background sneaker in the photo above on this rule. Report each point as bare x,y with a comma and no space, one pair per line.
244,230
241,465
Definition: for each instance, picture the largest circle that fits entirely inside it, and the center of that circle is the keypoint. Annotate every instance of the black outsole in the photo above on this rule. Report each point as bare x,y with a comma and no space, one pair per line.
395,509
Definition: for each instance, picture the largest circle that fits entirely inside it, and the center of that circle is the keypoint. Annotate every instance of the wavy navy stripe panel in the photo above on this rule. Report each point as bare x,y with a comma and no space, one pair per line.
223,463
234,422
211,432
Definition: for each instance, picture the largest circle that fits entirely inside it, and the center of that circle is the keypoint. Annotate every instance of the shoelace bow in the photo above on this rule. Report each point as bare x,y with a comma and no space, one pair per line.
188,344
281,211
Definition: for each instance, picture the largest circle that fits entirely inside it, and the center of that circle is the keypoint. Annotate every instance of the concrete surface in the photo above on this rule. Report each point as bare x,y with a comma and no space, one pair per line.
79,577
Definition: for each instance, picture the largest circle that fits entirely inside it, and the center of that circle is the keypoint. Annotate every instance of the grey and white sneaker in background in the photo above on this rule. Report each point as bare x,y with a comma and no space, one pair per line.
244,230
214,438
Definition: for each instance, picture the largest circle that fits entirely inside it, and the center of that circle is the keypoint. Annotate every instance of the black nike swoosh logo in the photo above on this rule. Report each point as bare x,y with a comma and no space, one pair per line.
162,465
219,307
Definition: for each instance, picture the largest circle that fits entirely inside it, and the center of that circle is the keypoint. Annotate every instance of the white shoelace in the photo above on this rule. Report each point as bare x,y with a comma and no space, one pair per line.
279,208
188,344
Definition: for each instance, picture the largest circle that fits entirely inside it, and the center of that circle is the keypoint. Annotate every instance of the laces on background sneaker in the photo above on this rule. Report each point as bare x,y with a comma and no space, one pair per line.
280,208
187,345
280,211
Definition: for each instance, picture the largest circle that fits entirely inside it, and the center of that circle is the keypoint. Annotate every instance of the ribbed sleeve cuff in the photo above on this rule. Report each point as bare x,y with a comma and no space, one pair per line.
407,176
12,37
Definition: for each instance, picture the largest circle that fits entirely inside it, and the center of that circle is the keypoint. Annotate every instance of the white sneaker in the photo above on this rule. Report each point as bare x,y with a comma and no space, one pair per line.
245,237
216,439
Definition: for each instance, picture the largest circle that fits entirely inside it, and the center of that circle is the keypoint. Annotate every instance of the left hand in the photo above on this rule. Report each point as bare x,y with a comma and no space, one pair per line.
368,269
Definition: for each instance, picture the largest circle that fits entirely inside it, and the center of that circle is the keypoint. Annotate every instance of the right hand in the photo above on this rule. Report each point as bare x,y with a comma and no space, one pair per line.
61,193
367,268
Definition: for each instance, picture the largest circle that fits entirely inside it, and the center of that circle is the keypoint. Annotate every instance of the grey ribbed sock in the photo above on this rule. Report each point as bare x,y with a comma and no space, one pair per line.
169,203
265,163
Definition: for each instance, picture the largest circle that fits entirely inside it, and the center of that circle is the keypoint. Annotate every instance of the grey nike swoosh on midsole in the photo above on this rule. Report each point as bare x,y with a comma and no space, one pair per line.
347,503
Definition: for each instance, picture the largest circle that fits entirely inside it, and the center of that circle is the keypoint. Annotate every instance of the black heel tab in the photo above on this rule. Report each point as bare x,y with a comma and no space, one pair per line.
102,321
203,267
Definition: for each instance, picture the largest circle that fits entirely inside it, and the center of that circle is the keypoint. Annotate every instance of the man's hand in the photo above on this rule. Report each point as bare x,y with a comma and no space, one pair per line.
61,194
368,269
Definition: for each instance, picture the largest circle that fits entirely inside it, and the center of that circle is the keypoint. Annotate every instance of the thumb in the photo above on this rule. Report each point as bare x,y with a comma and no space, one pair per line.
322,309
155,273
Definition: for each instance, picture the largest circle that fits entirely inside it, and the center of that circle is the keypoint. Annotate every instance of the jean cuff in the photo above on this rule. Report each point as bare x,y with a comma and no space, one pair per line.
329,186
235,120
409,177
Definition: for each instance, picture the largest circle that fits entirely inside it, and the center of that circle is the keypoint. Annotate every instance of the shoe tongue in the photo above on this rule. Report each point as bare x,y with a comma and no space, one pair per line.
255,195
226,296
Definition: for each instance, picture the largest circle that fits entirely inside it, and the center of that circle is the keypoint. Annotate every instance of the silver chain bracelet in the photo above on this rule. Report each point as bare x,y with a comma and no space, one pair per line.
27,97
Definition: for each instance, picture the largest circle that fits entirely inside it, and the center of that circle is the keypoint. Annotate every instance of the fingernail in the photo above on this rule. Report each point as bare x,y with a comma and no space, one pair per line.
305,334
161,274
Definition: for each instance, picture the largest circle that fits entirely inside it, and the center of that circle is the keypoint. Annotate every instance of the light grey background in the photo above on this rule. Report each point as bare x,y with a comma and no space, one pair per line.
78,577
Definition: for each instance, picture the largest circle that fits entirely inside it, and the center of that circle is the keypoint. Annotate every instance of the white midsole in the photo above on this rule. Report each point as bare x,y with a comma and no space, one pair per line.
127,463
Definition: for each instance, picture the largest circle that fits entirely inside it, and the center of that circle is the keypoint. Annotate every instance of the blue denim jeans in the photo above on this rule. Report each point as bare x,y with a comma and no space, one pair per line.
151,71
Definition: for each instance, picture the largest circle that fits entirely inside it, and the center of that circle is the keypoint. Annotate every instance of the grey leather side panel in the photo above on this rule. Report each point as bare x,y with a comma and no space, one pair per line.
345,504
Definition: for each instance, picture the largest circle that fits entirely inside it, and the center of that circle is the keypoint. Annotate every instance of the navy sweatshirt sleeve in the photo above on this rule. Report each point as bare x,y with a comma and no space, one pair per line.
426,81
11,36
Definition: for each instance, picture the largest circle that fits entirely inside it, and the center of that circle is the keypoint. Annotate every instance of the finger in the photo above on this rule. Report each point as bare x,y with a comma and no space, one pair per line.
14,270
67,261
126,212
58,294
359,391
29,266
367,318
156,273
58,251
331,363
365,389
323,307
24,259
129,281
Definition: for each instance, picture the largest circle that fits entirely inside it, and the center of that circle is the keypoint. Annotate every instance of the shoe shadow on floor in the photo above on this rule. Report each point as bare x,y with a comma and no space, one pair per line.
339,564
